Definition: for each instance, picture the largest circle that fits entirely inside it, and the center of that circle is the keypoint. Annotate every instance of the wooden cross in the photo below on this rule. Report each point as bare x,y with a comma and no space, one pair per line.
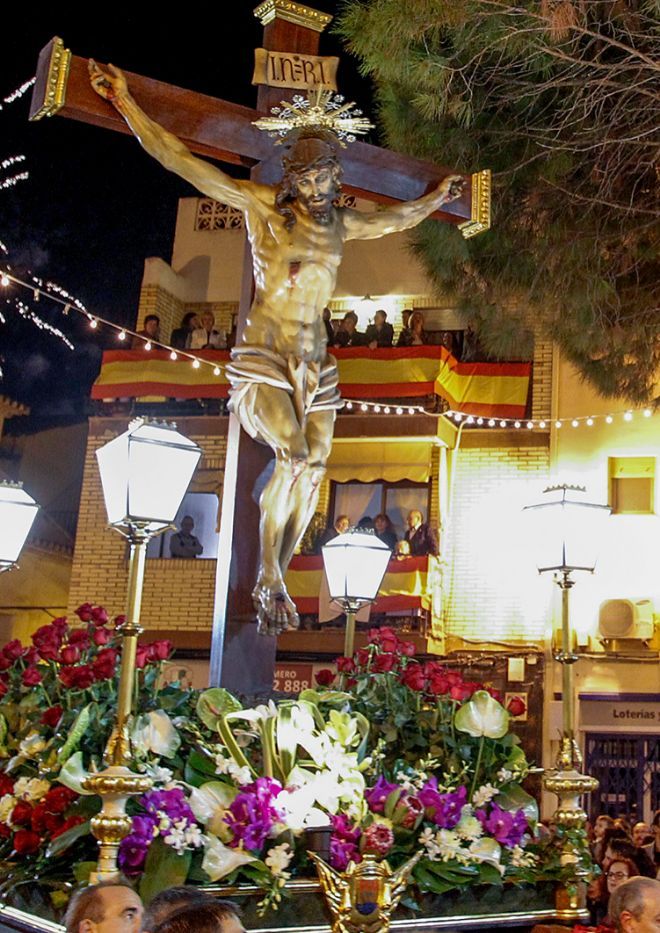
241,660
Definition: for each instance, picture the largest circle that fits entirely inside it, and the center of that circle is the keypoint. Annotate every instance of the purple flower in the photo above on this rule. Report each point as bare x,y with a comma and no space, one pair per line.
442,809
343,852
171,802
133,848
253,813
344,829
505,826
378,794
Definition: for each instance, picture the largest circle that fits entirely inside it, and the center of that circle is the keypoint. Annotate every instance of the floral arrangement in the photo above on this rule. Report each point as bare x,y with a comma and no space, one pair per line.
388,756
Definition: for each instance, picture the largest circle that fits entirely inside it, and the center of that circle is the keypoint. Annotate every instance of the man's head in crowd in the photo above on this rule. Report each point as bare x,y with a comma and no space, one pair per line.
107,907
202,915
634,906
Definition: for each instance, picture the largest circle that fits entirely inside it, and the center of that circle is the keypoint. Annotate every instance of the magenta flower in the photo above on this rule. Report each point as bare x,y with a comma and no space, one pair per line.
378,794
253,813
442,809
505,826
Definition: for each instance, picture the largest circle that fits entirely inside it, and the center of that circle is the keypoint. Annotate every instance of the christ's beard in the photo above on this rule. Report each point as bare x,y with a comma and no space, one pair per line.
320,211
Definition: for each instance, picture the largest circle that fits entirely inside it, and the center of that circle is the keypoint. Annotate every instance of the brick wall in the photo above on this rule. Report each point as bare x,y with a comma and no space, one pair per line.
542,379
178,594
493,592
154,299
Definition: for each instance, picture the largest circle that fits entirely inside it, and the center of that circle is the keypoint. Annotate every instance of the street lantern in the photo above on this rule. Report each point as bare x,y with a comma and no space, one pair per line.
355,564
145,473
18,510
567,533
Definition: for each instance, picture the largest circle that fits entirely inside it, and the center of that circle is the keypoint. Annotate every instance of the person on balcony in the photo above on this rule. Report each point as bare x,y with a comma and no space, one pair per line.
184,543
414,335
180,338
329,329
207,337
380,333
385,530
340,527
348,335
150,331
420,536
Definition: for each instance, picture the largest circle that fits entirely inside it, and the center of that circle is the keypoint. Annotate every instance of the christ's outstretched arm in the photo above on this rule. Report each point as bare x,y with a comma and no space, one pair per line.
164,146
359,226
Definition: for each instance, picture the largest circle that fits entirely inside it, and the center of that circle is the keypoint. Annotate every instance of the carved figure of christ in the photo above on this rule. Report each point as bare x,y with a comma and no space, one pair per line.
284,382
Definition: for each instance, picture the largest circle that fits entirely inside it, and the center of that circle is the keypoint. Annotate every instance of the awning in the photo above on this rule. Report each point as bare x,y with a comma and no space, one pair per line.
368,461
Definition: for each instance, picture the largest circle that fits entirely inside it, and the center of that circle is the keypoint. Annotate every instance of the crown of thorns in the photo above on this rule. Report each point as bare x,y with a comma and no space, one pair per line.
321,113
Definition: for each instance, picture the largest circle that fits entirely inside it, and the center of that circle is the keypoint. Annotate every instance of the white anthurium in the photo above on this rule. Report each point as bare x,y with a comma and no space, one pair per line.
221,860
482,716
298,807
155,732
210,802
72,774
487,850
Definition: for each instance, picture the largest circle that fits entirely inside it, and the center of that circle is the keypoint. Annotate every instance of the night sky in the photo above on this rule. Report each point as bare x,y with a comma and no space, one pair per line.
95,205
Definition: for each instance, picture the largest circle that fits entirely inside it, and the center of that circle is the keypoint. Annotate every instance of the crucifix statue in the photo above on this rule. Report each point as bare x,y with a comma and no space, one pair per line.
284,382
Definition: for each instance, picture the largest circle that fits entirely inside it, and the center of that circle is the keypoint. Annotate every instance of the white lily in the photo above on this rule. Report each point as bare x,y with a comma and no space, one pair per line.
155,732
221,860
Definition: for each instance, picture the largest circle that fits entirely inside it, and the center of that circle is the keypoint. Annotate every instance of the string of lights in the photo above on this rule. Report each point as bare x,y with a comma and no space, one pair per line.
10,98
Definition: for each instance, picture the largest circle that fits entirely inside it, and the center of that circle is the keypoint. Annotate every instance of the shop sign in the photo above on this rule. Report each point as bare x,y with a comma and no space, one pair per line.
292,677
620,716
293,69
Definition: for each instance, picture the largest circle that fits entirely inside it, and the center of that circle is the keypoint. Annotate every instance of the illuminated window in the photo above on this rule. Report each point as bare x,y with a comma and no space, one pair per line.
632,485
359,500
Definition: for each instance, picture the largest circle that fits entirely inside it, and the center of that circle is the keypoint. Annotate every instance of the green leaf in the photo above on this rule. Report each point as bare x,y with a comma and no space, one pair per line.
78,729
513,797
164,868
215,703
488,874
82,871
202,762
62,842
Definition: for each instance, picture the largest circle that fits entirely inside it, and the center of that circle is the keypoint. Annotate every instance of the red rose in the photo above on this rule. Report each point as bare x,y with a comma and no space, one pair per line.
101,636
3,688
6,785
26,842
52,716
413,677
69,823
80,638
22,813
461,691
38,821
84,612
13,650
47,641
70,654
5,663
52,822
142,656
58,799
30,657
362,657
99,615
104,664
160,650
516,706
496,694
31,677
120,620
438,684
325,677
385,638
345,665
60,625
454,678
407,648
77,678
5,831
384,663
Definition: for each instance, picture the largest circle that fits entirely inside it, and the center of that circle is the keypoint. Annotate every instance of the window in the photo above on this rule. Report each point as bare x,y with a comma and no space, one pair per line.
632,485
202,507
395,499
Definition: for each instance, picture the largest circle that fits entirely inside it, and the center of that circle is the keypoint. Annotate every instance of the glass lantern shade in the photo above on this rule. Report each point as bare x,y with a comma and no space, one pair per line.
17,512
355,564
566,532
145,473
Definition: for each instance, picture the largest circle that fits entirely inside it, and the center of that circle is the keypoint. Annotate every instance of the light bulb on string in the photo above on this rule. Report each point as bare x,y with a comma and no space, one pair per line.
37,294
609,419
647,412
121,335
542,424
516,424
93,323
470,420
628,416
480,421
590,422
349,405
364,407
399,411
377,409
502,424
4,280
411,411
558,424
195,364
530,425
216,370
575,423
173,355
386,409
491,423
147,345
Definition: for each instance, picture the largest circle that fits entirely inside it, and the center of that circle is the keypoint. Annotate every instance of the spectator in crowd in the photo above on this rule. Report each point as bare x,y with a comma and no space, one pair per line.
385,530
420,536
618,872
150,331
209,916
641,835
406,314
366,523
602,824
329,329
380,333
348,335
184,543
635,906
107,907
174,899
207,337
448,341
341,525
402,550
655,827
414,335
180,338
619,847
